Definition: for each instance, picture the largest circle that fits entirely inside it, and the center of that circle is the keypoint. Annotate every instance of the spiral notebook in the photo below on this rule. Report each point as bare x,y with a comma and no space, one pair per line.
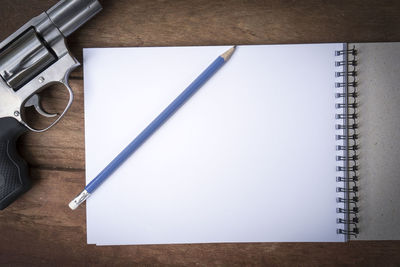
266,151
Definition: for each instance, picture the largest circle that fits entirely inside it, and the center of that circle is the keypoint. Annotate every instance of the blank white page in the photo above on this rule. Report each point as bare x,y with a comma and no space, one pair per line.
249,158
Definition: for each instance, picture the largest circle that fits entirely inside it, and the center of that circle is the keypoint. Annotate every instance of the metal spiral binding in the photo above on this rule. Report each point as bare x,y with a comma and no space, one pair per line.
347,168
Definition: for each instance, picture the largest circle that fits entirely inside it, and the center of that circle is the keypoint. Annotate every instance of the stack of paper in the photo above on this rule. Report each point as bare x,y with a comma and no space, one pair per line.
249,158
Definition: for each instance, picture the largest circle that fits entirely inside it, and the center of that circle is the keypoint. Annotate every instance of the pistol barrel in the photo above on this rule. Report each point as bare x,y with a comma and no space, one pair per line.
69,15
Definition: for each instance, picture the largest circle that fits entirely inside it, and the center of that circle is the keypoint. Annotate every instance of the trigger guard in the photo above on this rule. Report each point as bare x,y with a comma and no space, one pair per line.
71,99
34,101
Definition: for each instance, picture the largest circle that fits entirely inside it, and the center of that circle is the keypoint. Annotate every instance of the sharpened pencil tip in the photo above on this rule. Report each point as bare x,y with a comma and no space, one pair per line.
227,55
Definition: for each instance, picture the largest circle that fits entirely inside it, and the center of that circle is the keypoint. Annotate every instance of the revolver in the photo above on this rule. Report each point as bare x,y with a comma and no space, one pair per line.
32,59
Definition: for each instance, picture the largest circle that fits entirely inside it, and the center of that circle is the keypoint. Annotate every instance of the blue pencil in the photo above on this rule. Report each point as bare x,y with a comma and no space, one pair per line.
151,128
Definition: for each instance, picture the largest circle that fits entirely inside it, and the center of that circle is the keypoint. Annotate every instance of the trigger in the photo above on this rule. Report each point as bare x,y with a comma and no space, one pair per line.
35,102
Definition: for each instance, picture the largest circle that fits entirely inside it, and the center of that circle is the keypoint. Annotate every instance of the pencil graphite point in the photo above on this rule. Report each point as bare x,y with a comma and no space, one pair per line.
227,55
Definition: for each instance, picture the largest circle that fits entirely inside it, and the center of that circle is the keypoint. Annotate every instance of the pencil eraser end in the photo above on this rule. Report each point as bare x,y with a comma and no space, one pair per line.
72,205
79,199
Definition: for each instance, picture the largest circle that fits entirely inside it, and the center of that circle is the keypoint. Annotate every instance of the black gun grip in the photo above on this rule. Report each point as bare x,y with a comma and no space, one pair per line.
14,176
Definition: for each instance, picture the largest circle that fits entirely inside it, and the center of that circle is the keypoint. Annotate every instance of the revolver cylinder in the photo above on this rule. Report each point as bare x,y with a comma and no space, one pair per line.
23,59
38,45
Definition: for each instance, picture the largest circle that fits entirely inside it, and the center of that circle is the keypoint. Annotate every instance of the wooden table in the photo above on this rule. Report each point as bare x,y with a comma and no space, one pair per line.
40,229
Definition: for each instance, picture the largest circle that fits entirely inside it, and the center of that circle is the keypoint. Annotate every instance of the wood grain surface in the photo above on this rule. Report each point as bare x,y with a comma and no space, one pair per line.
39,228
